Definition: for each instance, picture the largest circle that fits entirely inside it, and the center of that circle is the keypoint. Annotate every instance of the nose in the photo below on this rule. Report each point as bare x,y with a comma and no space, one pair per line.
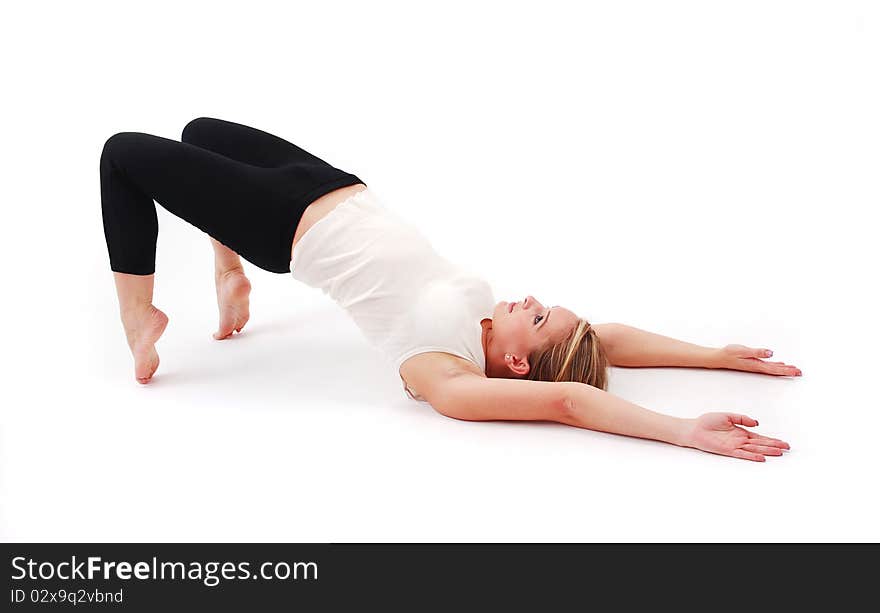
529,301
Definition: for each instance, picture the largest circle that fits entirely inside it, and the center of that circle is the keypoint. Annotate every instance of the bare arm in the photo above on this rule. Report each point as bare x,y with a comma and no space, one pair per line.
595,409
464,395
590,407
630,346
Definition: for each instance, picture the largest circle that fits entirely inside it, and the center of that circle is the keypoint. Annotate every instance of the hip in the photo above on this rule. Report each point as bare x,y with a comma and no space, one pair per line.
319,208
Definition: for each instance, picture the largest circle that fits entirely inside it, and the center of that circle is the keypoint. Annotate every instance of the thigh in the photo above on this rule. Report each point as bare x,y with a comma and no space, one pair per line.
240,205
244,143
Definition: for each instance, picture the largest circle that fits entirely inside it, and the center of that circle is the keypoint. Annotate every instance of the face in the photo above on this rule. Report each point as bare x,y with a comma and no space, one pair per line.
522,327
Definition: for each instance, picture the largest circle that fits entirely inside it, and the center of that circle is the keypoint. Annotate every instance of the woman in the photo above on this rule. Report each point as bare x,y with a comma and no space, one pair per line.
285,210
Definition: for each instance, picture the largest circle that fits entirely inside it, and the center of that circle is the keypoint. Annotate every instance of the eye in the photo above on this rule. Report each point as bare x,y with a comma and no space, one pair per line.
538,319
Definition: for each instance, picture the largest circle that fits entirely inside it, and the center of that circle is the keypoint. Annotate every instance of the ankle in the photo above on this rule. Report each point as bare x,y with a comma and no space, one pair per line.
135,311
134,319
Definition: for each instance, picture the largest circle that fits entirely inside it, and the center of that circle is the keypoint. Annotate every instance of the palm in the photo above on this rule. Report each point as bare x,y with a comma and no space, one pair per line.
721,433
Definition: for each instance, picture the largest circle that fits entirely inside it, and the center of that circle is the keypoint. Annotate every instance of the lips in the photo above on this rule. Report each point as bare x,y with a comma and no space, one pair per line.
510,308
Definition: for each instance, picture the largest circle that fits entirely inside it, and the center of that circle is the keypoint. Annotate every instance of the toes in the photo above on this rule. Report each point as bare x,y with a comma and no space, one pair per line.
145,370
227,325
222,333
230,323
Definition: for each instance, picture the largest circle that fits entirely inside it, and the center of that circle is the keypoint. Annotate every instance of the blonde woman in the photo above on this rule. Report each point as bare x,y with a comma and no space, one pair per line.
285,210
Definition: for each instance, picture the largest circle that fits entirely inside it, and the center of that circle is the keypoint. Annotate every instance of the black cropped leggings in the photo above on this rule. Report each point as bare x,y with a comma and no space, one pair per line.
244,187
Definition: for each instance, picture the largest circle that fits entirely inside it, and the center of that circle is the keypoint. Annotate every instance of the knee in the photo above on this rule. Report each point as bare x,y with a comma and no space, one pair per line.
115,144
191,130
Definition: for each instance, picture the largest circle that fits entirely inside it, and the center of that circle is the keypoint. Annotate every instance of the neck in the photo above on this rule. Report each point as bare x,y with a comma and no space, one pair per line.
485,340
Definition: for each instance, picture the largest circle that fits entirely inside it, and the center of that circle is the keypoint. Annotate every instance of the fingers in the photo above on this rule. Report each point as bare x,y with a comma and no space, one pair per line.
752,357
758,447
762,449
756,439
780,368
747,455
770,368
741,420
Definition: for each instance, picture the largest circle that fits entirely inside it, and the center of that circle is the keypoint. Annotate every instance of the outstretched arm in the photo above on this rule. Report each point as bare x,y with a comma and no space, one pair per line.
630,346
473,397
590,407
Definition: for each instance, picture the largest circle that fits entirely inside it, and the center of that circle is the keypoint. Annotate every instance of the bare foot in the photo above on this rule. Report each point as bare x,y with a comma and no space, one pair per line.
142,329
233,302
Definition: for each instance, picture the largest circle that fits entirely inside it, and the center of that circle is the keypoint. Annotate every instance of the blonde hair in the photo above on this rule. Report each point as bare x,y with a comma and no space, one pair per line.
580,356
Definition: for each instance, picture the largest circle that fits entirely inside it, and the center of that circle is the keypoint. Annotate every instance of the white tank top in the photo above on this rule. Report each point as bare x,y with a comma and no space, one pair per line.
404,297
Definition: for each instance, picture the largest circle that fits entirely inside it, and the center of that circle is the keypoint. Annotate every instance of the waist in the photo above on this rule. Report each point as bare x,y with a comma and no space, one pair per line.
321,207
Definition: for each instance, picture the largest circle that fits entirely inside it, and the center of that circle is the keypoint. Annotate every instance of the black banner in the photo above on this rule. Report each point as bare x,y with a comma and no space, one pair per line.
276,577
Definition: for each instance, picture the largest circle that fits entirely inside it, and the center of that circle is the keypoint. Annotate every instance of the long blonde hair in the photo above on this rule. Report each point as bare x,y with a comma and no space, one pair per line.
580,356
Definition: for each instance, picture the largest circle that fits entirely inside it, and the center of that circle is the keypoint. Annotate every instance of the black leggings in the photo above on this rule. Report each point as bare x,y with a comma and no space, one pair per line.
242,186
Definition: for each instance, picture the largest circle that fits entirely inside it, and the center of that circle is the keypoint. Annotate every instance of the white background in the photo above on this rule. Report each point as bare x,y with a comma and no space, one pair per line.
704,170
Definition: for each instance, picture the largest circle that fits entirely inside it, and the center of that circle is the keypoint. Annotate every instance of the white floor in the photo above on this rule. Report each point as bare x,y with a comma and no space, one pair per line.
737,208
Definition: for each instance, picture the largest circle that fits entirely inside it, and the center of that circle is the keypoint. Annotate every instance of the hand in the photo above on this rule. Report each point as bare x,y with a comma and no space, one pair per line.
740,357
720,433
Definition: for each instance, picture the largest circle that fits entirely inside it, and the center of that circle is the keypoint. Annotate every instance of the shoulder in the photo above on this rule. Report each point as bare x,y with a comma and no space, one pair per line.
457,388
427,371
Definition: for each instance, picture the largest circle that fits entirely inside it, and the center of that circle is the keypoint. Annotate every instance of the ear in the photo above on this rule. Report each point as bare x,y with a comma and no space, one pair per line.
518,366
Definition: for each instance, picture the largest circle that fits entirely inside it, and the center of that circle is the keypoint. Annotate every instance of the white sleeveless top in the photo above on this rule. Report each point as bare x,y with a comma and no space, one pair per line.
404,297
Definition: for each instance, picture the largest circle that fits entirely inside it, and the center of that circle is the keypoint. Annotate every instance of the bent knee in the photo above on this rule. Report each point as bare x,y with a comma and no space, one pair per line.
191,131
119,142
